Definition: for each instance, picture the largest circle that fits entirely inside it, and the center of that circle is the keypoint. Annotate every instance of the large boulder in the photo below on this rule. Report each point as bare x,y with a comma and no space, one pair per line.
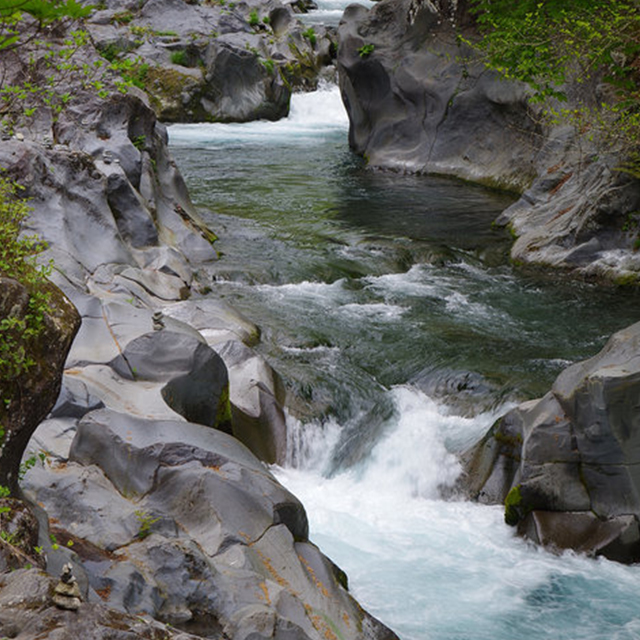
194,377
420,99
413,105
29,393
183,523
566,465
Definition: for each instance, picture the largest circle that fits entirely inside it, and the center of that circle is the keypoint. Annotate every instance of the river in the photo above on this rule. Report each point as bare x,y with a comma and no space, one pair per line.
387,303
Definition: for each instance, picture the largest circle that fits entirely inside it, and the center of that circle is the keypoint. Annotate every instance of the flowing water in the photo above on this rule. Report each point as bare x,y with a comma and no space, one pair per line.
387,304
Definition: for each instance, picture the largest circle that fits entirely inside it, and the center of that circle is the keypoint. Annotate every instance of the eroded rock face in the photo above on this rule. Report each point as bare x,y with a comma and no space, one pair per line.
418,100
183,523
412,105
232,62
567,465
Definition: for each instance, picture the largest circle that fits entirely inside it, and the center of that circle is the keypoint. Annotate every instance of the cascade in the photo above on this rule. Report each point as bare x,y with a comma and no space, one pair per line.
386,303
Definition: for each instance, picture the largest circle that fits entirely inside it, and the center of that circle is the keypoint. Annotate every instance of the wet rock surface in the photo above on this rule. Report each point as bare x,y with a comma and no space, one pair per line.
419,100
566,465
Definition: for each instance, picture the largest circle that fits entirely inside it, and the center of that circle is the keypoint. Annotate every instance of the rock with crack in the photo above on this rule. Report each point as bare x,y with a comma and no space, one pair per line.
566,465
196,532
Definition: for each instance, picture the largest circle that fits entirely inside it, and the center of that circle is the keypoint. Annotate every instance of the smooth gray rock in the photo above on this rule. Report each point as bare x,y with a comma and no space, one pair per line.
420,100
75,399
194,376
574,453
239,87
216,321
52,438
198,533
414,106
257,396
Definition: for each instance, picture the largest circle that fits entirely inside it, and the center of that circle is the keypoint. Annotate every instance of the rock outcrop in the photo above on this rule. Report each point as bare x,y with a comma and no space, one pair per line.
182,523
419,100
566,465
219,62
141,494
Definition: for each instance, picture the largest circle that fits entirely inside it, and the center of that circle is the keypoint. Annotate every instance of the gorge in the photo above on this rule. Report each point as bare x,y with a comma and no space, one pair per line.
361,329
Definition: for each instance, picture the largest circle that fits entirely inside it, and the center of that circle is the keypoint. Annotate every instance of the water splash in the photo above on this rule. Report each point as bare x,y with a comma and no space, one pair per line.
313,116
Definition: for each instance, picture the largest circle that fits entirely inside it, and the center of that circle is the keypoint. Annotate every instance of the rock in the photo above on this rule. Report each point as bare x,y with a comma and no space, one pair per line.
194,530
231,63
413,105
66,594
565,465
196,383
75,399
578,216
257,398
26,611
239,87
216,321
421,101
29,396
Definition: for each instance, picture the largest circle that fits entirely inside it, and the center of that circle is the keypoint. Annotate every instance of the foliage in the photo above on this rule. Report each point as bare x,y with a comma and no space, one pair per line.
269,65
179,57
47,59
44,12
555,44
140,142
17,261
146,521
310,35
5,492
31,462
366,50
254,20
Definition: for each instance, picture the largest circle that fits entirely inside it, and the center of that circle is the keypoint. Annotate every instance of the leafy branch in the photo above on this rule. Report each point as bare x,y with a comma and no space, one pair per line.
558,46
18,261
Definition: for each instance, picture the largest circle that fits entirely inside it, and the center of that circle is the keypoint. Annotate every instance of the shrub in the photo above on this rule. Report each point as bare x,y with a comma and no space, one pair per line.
310,35
17,261
179,57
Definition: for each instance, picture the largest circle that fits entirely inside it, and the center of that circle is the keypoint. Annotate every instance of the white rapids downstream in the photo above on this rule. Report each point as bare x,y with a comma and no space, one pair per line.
372,302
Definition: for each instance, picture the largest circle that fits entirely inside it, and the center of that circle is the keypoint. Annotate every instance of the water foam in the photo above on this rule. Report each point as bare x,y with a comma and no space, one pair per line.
433,569
313,115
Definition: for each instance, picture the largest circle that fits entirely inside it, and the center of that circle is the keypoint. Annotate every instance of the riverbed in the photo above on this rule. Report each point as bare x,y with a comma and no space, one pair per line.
388,304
